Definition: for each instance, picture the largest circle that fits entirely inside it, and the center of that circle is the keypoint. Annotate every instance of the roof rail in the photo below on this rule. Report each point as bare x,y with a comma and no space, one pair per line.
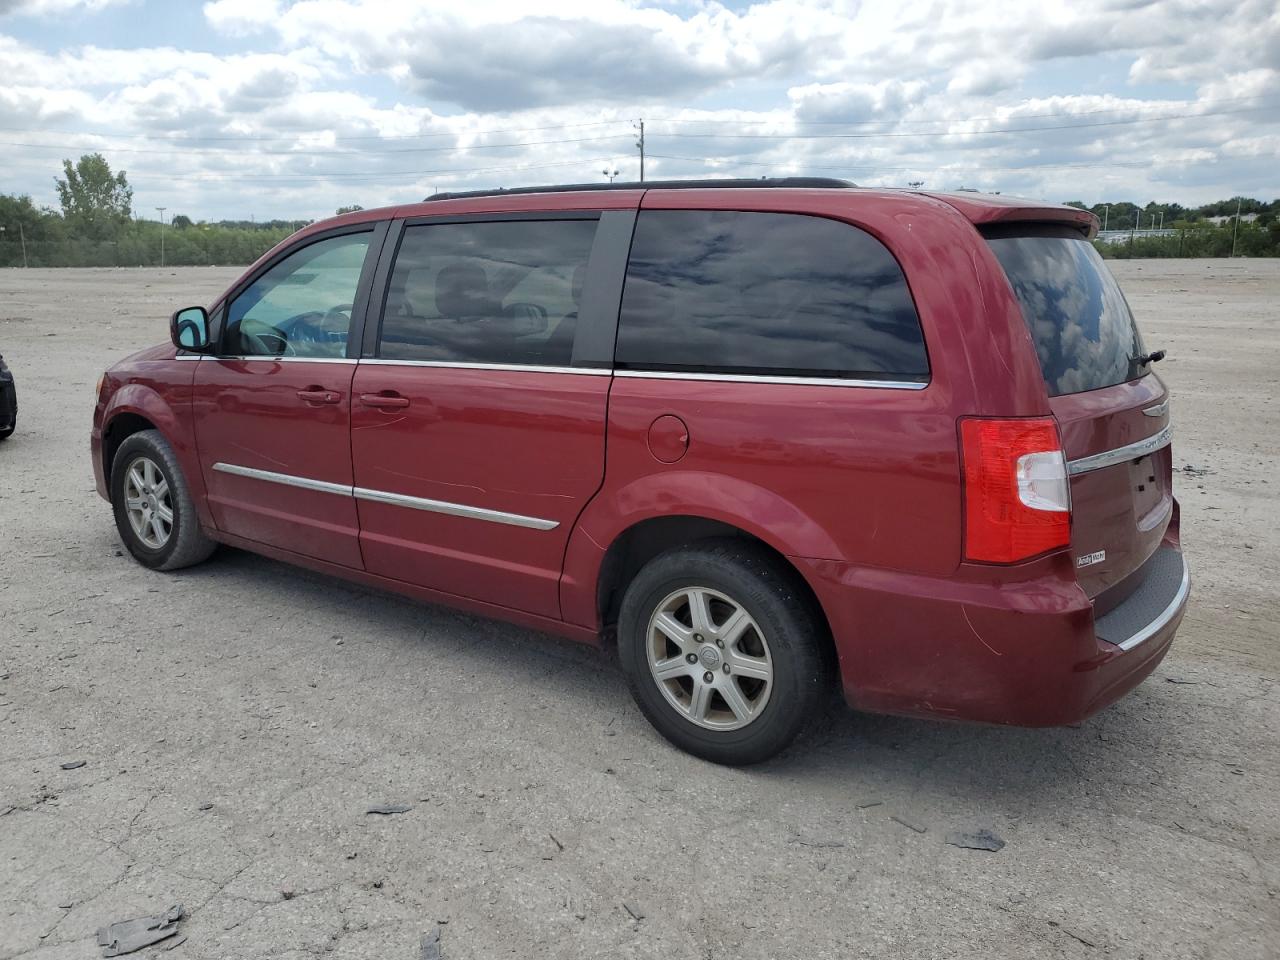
824,183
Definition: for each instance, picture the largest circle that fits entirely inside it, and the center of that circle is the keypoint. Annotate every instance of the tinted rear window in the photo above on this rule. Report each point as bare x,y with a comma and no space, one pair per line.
1083,329
766,293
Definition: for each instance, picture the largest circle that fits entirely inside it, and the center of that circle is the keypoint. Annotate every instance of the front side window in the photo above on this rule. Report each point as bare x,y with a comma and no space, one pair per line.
766,293
301,307
487,292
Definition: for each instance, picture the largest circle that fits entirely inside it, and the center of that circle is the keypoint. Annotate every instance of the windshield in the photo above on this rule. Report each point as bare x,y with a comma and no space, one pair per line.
1083,329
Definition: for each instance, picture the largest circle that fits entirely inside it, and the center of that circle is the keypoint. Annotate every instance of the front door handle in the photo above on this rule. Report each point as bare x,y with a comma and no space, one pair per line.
318,395
384,401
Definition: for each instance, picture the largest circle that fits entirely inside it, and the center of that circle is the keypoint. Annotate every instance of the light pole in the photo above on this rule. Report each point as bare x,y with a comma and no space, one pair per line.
1106,212
610,173
1235,233
640,143
161,211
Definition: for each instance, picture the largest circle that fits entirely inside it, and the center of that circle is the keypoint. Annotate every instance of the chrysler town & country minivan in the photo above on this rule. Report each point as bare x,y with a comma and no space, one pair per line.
769,435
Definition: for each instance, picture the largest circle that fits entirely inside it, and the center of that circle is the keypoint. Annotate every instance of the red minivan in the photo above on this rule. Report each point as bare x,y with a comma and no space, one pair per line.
766,434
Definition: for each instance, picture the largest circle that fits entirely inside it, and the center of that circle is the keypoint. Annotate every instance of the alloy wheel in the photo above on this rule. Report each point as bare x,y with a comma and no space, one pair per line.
709,658
148,504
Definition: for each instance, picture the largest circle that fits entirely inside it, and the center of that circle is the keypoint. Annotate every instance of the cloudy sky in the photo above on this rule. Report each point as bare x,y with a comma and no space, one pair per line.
289,108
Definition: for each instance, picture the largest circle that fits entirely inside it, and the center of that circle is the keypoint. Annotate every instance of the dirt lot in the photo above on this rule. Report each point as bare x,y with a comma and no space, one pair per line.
236,721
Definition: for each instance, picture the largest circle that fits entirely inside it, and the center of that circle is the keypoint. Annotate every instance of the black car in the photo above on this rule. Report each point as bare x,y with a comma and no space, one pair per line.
8,401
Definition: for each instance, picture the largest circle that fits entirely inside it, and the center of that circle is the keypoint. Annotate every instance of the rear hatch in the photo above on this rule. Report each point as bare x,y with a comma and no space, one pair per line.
1112,411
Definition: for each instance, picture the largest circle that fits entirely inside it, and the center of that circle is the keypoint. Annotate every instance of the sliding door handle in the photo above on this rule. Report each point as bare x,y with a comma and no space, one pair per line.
388,400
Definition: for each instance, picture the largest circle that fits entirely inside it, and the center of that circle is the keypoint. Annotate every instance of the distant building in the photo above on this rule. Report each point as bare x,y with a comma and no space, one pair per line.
1244,218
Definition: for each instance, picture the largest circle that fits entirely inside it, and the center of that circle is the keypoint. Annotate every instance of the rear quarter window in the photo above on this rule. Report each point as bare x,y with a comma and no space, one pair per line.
1084,332
766,293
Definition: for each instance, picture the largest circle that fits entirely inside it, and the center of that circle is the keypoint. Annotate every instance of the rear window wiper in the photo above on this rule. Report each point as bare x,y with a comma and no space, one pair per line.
1155,356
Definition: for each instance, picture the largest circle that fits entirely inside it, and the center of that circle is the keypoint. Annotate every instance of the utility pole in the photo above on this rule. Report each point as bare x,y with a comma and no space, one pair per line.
22,235
1235,234
162,210
1106,212
640,144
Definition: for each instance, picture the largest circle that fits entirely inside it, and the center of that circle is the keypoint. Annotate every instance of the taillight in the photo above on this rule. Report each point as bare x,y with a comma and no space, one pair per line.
1016,496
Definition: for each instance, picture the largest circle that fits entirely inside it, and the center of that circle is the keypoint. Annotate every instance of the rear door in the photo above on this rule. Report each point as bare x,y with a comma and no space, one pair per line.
273,409
478,421
1113,412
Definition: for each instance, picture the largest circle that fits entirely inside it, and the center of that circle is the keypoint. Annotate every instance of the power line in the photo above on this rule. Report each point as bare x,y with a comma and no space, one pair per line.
736,161
956,133
899,122
216,151
247,138
358,177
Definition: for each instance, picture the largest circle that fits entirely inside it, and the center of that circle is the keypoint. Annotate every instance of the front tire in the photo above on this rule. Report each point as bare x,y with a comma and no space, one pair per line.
154,512
724,649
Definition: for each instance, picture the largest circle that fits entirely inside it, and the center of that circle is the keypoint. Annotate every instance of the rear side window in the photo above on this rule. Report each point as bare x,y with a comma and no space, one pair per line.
766,293
1083,329
487,292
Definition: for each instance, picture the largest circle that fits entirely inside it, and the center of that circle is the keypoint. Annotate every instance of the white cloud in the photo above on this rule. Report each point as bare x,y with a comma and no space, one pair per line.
450,84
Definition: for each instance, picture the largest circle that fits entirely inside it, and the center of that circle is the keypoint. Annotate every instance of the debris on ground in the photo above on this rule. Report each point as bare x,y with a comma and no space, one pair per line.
126,936
870,803
386,809
559,845
175,942
74,764
430,949
908,824
977,840
821,844
636,913
1073,936
1179,680
1191,471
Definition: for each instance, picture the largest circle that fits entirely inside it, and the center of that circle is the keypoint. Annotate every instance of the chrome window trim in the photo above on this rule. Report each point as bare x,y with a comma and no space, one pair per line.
1169,612
288,359
510,367
454,509
1131,451
394,499
761,378
321,486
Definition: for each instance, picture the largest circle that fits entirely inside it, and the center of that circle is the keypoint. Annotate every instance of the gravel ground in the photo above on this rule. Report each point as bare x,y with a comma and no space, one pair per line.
236,721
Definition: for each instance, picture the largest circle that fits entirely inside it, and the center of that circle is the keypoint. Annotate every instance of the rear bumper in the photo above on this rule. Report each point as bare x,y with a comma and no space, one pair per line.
982,647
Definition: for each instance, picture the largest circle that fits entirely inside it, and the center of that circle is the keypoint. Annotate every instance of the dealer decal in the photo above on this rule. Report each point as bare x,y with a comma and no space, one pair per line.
1089,559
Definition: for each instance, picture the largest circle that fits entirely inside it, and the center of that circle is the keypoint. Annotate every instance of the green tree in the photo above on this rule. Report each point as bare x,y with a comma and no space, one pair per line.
180,222
95,202
351,209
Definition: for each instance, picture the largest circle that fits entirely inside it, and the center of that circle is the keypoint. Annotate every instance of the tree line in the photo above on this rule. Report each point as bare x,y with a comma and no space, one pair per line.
95,227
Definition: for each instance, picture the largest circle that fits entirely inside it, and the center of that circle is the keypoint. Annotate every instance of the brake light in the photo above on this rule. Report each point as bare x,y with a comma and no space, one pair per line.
1017,499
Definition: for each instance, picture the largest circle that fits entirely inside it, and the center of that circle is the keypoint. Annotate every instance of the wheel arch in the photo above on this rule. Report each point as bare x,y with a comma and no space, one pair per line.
135,407
643,540
116,431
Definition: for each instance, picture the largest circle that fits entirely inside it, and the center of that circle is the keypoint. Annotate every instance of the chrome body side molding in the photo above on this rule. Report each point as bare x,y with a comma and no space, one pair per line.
394,499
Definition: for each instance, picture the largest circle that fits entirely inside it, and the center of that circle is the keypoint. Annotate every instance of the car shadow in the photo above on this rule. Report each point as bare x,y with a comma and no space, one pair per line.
877,755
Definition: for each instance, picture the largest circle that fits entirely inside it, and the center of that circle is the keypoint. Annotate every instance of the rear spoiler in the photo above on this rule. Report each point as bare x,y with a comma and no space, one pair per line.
983,209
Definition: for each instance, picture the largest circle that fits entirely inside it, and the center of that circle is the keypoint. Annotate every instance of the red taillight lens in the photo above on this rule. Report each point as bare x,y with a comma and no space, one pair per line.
1017,501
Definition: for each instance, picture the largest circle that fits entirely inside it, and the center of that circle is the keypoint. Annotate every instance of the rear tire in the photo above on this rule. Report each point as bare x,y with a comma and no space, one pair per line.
725,650
154,512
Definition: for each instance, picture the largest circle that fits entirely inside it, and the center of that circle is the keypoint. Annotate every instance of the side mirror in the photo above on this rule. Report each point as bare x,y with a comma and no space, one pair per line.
189,329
